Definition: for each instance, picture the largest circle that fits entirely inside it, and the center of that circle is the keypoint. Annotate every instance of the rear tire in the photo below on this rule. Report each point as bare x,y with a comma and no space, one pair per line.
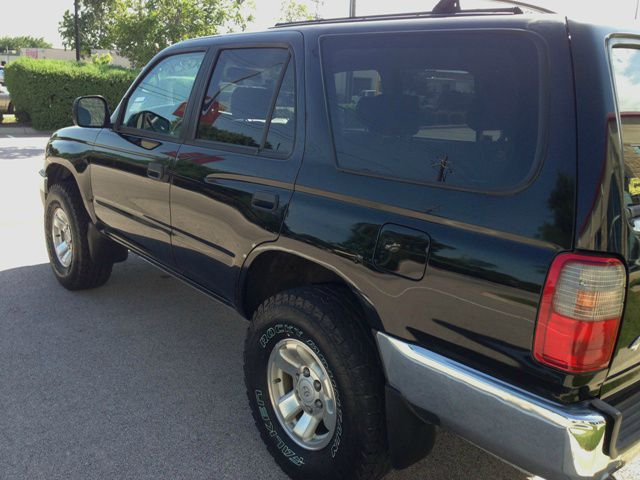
323,322
66,225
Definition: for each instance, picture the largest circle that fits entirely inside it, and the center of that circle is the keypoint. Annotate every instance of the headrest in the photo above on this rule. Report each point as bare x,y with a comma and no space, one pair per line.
250,102
390,114
494,107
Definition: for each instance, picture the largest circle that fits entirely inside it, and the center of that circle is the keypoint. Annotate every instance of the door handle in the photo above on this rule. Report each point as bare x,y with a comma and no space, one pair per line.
265,201
156,171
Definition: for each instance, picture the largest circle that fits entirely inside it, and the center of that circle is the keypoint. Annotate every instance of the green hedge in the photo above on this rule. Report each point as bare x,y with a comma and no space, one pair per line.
43,91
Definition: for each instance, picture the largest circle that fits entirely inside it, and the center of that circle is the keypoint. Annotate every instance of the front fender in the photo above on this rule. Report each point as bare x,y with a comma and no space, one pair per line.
68,154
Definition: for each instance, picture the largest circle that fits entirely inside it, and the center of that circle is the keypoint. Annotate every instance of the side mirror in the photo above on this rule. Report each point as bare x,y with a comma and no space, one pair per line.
91,112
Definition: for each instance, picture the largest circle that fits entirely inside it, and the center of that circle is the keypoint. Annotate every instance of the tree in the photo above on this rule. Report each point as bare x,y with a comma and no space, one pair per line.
292,11
138,29
16,43
318,5
144,27
96,22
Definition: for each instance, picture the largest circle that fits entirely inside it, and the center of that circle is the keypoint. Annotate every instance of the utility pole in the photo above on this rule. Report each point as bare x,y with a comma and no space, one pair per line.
76,28
352,8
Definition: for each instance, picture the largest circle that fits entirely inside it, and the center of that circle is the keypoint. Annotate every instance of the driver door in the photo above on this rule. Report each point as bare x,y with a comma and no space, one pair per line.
129,168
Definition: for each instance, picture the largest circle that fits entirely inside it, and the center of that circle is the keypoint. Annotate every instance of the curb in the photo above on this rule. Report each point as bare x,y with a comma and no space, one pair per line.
23,131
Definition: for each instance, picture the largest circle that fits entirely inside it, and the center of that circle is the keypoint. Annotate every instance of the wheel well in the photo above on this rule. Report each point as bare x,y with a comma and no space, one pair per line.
274,272
57,173
100,246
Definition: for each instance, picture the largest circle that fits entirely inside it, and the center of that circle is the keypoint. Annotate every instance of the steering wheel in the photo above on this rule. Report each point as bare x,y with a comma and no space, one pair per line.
149,120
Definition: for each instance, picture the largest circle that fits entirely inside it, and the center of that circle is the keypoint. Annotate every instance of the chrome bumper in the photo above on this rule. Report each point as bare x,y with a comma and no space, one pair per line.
43,185
542,437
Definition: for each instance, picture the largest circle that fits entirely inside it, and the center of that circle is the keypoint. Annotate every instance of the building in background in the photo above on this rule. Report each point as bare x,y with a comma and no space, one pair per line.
60,54
8,57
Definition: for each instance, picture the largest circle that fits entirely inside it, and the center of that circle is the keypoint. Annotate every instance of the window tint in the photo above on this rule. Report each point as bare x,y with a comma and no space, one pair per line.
159,101
457,109
626,68
282,126
239,99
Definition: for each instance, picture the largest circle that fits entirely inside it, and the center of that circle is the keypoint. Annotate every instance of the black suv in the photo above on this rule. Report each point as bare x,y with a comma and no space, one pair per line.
429,219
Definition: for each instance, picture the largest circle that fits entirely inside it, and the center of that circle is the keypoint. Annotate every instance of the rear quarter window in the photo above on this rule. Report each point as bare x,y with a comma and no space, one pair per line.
626,70
457,109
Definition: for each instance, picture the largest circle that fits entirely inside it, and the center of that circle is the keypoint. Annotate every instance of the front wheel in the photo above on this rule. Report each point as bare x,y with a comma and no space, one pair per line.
315,386
66,225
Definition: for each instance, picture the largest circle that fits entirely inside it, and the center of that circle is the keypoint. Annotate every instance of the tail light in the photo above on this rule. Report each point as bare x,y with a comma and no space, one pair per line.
580,313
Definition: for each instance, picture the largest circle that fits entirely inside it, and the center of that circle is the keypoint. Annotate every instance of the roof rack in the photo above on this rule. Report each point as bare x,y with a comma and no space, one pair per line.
453,6
442,8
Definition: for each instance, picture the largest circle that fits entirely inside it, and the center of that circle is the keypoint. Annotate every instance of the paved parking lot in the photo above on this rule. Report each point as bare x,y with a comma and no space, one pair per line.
139,379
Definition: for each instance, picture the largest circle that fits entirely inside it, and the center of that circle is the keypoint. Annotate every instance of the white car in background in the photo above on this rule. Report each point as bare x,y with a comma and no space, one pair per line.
5,102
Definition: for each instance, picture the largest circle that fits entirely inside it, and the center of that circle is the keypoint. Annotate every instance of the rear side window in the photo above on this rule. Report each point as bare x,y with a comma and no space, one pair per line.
626,69
456,109
250,100
281,131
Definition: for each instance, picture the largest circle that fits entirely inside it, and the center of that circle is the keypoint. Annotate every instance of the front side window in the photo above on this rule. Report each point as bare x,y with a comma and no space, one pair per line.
159,102
250,100
453,109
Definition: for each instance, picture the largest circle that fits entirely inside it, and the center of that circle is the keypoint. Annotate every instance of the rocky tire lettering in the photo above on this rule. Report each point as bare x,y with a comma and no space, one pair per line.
324,322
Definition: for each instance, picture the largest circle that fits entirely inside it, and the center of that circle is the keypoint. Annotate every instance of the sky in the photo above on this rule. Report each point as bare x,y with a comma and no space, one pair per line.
40,18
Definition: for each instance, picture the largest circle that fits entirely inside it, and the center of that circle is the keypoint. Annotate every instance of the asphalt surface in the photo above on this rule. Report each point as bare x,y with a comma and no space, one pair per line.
139,379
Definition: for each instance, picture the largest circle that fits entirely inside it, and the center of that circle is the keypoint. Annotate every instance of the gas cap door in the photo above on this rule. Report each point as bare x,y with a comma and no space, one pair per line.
402,251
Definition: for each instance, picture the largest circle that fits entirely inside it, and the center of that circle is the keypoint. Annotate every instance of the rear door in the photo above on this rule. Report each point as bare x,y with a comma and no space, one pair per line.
129,173
234,175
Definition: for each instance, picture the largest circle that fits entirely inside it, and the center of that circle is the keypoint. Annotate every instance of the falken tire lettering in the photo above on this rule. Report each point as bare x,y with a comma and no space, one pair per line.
268,424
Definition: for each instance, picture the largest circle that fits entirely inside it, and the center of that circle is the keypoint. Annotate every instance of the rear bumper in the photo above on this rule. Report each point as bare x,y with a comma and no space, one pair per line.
544,438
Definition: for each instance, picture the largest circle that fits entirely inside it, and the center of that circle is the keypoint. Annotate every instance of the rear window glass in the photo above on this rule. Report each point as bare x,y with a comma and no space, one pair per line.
238,108
626,68
454,109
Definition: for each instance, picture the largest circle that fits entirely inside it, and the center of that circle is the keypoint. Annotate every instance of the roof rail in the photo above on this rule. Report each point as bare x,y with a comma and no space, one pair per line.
442,8
453,6
528,6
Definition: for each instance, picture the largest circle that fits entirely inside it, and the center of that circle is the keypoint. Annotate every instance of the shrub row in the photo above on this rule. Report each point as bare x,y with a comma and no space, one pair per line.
43,91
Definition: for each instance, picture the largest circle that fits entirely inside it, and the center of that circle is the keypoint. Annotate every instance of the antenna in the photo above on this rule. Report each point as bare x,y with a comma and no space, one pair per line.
352,8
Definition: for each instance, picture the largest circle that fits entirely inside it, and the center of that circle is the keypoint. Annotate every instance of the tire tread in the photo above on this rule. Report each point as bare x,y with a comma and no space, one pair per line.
340,319
90,272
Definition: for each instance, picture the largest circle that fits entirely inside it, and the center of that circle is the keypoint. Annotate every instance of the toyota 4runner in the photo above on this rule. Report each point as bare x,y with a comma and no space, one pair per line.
428,219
